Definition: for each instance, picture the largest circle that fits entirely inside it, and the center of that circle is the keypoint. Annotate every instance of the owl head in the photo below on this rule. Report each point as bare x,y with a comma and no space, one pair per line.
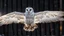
29,9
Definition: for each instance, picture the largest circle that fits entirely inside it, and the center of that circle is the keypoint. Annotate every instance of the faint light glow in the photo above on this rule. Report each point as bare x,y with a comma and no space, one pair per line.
1,34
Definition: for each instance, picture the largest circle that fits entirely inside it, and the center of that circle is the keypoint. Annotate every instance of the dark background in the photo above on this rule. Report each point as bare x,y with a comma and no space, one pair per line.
7,6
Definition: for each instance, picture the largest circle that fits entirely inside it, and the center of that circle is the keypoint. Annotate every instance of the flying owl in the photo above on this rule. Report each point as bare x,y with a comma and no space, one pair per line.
30,19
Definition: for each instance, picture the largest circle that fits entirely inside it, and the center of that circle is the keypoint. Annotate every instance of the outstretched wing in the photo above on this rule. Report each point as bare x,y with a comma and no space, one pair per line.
48,16
13,17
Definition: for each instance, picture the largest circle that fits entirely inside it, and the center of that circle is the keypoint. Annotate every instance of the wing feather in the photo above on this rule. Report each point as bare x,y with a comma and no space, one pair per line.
48,16
13,17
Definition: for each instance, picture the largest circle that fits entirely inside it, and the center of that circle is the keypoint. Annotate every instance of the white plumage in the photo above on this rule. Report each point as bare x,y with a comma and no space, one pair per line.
49,16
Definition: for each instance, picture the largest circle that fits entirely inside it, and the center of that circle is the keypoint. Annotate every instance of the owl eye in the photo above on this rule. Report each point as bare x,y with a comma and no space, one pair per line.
30,9
27,9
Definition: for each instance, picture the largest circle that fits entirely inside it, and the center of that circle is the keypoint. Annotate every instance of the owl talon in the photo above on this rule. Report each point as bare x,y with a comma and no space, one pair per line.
30,28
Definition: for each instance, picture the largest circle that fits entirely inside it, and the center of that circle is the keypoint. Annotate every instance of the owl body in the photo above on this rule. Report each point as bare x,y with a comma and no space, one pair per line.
29,16
29,19
29,22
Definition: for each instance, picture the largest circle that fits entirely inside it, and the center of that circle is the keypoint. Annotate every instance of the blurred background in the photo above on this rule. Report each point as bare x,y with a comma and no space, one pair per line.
46,29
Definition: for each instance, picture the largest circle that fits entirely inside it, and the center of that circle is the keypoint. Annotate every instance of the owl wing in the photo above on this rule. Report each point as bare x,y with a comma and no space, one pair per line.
13,17
48,16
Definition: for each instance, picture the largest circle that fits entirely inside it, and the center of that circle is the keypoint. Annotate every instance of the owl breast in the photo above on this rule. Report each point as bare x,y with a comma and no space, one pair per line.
29,19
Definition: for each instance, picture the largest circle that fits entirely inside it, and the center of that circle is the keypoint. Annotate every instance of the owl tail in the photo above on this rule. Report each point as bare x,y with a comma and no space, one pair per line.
30,27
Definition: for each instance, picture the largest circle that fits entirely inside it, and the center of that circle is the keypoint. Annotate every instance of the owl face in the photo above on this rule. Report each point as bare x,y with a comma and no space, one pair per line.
29,10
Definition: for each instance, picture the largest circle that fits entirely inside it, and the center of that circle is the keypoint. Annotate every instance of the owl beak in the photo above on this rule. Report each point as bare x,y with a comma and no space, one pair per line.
28,11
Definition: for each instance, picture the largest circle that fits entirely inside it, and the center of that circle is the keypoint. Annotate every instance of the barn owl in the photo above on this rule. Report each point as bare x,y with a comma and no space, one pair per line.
30,19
